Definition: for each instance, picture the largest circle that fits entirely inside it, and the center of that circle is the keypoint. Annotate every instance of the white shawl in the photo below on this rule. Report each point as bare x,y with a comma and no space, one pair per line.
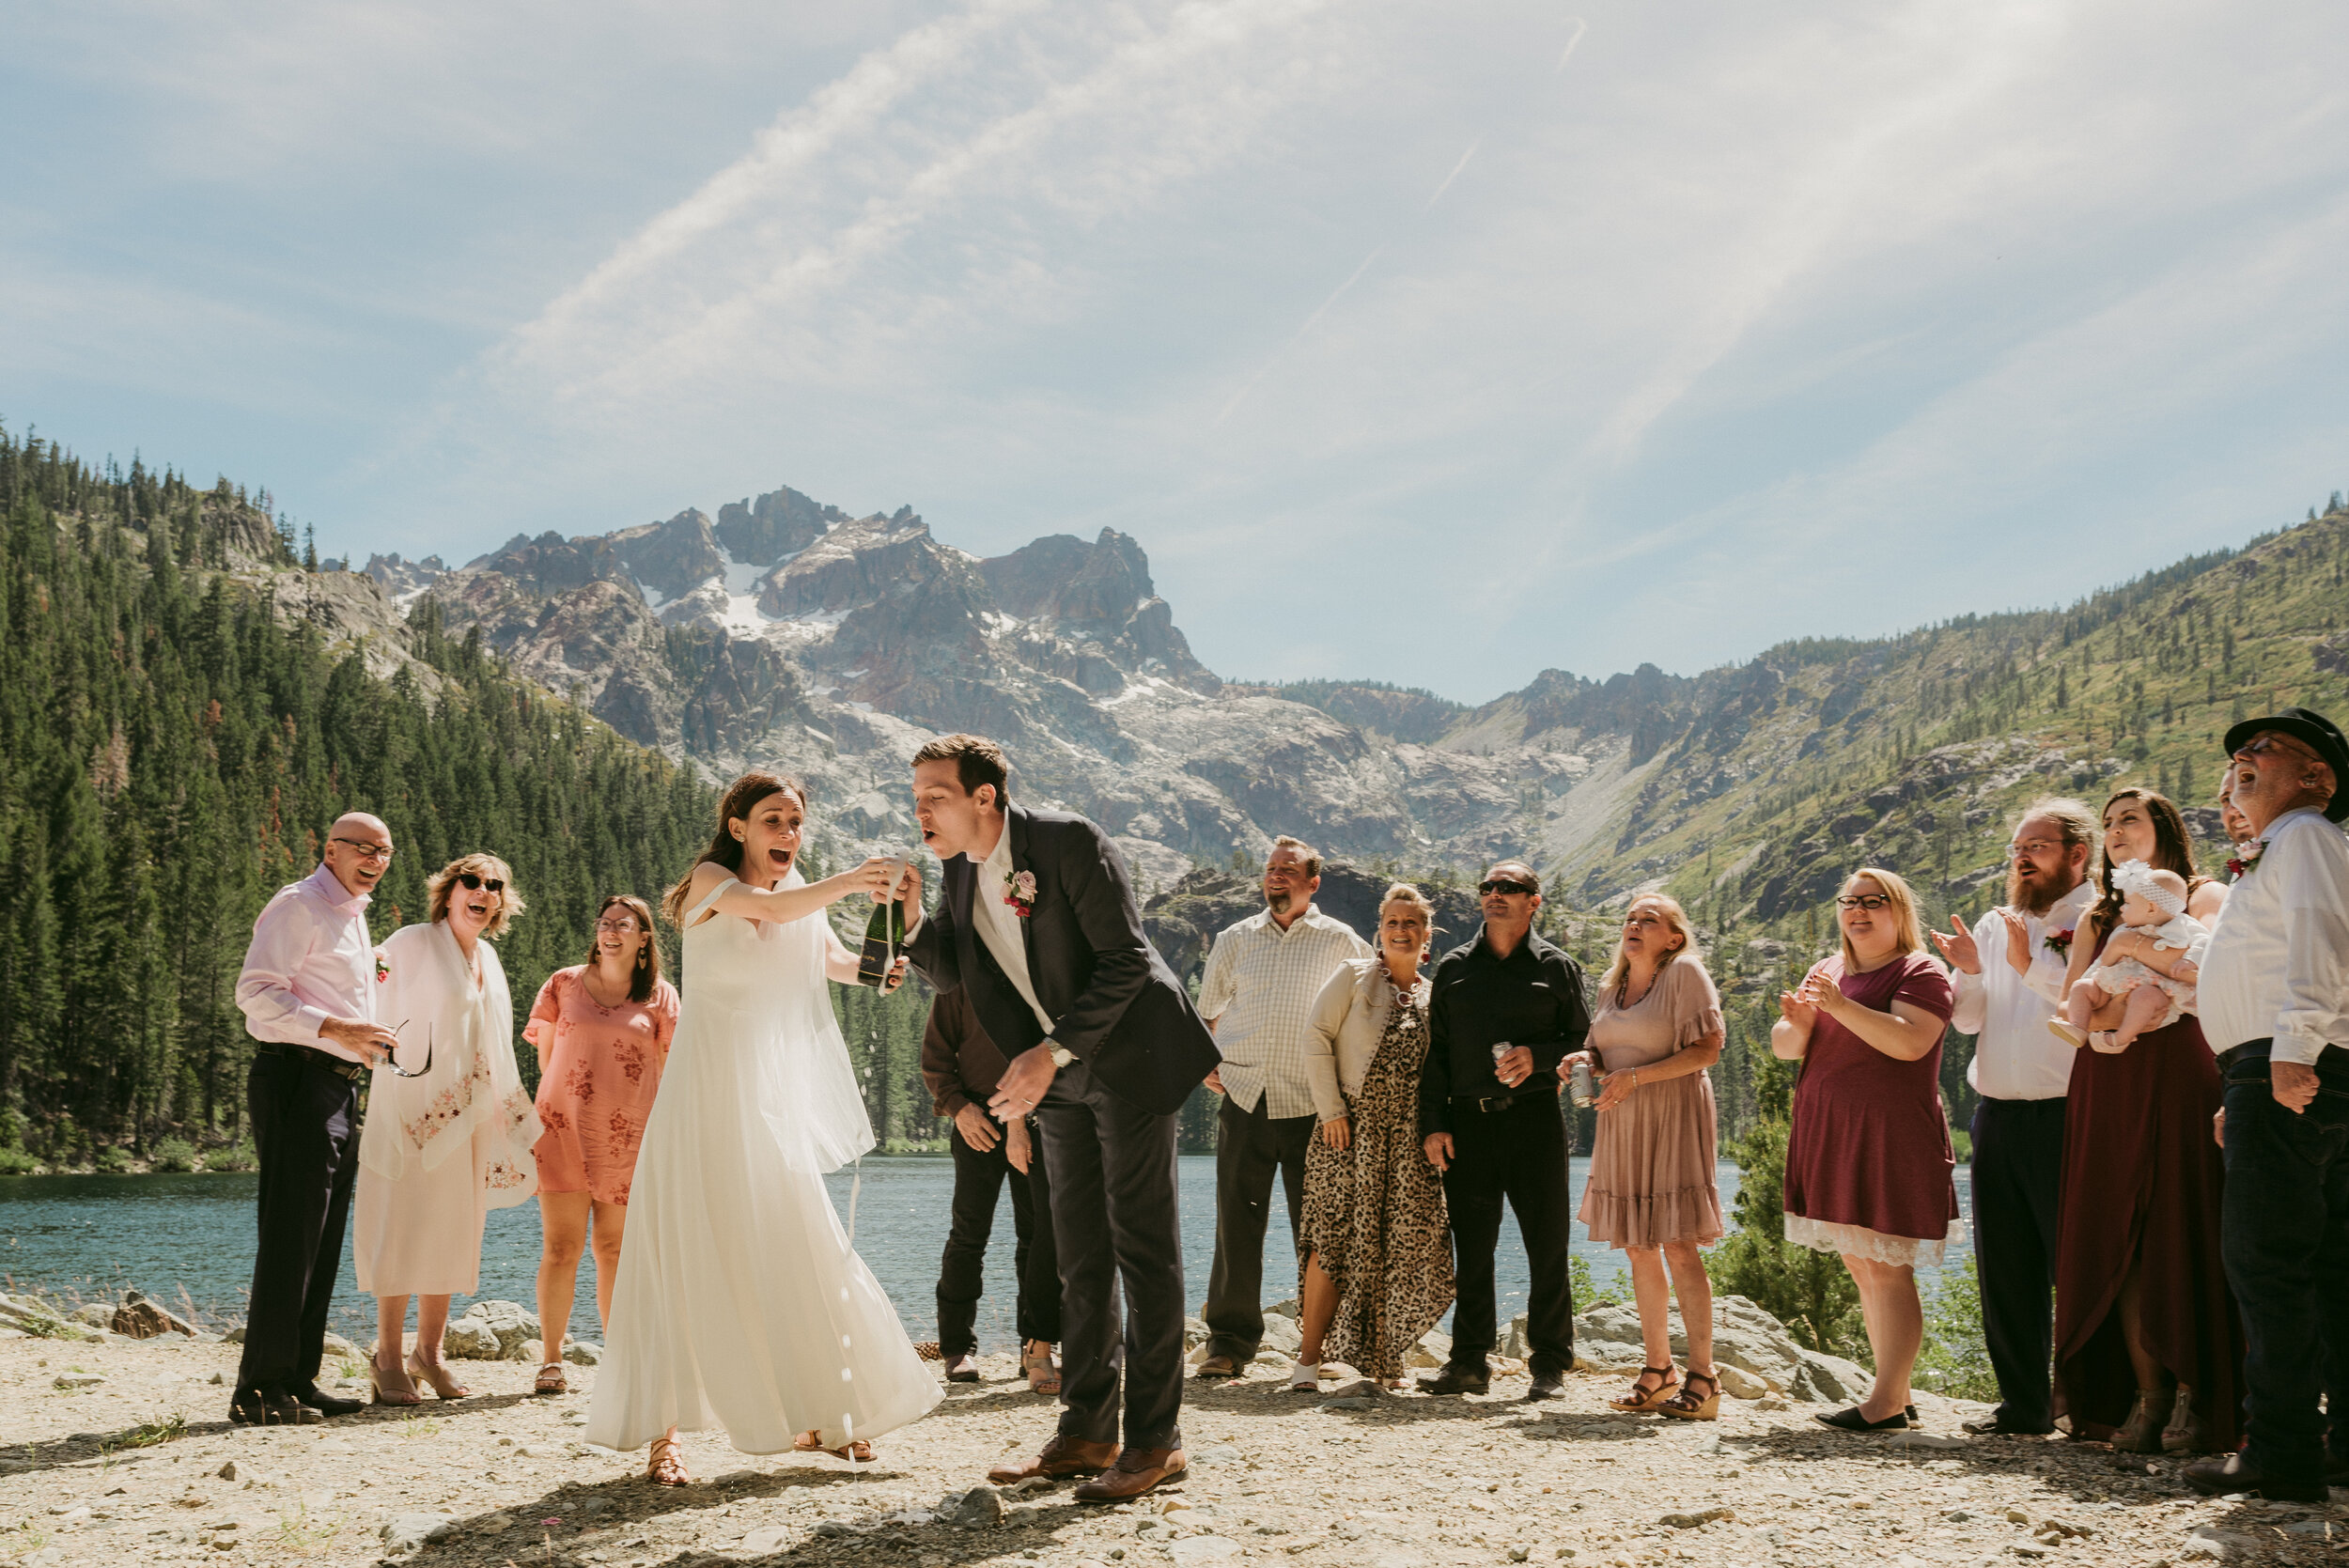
474,1081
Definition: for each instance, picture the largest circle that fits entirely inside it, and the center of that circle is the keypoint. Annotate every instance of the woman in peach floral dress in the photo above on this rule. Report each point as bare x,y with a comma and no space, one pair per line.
602,1032
449,1126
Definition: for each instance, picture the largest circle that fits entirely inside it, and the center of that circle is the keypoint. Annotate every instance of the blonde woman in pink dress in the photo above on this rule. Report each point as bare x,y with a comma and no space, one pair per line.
1651,1188
602,1032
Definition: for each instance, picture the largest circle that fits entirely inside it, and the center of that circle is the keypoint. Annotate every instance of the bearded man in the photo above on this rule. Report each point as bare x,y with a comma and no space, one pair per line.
1257,996
2009,975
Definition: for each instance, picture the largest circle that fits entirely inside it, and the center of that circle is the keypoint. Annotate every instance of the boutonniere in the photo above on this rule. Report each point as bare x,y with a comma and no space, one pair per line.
2240,865
383,970
1020,892
2060,943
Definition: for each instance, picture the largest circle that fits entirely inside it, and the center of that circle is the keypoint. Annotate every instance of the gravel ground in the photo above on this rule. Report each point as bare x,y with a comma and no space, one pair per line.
143,1468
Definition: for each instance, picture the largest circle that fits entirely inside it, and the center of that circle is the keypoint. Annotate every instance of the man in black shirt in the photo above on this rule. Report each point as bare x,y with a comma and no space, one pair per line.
1504,1010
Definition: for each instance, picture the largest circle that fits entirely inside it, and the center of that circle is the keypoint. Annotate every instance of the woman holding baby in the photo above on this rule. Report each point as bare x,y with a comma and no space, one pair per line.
2147,1351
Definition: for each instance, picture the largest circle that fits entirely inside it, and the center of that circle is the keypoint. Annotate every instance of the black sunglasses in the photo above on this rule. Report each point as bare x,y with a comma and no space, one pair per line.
392,1061
1505,884
474,879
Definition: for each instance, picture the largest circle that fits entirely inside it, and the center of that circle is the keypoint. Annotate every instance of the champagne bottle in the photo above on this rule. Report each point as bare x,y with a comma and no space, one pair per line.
884,940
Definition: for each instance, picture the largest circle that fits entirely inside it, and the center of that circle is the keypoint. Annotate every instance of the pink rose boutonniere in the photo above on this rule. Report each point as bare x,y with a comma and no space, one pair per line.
2060,943
383,970
2244,861
1020,892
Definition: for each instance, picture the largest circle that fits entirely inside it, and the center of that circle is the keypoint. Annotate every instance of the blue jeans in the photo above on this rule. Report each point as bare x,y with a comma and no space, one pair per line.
2286,1244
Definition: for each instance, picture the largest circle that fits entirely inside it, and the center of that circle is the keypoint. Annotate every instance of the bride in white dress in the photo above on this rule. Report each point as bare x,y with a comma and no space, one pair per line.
740,1302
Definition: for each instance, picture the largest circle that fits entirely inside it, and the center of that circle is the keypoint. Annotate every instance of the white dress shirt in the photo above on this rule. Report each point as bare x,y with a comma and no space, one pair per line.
311,961
998,924
1258,991
2015,1056
2277,965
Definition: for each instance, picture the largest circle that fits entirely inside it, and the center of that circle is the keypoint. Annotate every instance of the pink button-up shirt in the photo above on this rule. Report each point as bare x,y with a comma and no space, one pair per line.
311,961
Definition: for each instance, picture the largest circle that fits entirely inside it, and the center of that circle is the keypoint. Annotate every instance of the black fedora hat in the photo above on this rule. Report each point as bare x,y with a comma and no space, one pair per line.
2314,730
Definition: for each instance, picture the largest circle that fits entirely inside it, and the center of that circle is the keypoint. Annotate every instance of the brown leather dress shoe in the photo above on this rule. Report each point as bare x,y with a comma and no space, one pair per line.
1060,1456
1137,1470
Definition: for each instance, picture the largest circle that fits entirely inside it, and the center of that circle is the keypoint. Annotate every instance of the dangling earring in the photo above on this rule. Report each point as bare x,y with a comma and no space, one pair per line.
643,953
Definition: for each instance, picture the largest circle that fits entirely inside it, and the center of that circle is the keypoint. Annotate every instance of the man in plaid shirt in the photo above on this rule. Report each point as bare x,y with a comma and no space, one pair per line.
1258,995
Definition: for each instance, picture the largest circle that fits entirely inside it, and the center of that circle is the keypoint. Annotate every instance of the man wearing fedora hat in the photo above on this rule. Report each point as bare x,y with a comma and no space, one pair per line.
2275,1001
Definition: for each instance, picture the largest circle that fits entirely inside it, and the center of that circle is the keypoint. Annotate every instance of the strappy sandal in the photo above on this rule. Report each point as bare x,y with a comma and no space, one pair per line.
666,1466
551,1379
1305,1379
857,1451
1684,1405
1043,1377
1642,1397
443,1382
402,1393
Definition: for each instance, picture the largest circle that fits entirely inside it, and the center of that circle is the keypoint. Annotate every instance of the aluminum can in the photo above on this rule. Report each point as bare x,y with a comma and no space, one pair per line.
1583,1085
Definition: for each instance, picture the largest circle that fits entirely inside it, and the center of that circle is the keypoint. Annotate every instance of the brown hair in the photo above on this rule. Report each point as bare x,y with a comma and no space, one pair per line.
1907,935
2173,850
437,891
646,974
741,798
1674,916
978,761
1306,852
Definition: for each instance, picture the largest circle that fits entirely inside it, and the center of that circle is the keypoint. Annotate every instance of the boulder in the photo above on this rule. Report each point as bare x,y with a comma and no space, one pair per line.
980,1508
141,1317
1745,1339
1433,1350
492,1331
1282,1334
1287,1309
1194,1333
97,1314
335,1344
581,1353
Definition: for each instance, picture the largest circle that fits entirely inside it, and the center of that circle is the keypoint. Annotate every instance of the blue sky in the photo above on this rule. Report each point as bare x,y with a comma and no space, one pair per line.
1432,343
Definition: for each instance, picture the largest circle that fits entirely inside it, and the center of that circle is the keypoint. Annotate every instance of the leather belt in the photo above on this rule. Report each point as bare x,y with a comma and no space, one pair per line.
1497,1102
311,1057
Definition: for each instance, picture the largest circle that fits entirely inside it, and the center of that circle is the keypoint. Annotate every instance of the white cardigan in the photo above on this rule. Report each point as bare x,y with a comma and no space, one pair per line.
1349,1016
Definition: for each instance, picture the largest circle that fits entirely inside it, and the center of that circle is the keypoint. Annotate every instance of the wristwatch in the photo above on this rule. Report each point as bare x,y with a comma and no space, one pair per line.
1062,1055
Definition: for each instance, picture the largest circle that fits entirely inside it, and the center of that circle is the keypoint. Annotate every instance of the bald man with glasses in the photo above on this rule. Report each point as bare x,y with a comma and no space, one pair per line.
1503,1012
307,991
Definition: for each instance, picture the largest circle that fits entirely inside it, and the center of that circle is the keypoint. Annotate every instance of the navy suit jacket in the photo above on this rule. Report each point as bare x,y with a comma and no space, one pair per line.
1112,1000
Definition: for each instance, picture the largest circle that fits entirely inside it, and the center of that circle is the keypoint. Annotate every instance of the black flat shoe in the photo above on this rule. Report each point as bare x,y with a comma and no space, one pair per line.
1995,1426
317,1399
2231,1472
1457,1380
1852,1421
269,1407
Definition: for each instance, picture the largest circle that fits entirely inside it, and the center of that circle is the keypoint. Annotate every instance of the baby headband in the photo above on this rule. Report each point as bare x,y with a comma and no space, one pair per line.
2136,877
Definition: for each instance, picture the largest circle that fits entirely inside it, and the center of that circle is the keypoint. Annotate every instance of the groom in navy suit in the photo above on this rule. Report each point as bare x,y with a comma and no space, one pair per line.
1037,925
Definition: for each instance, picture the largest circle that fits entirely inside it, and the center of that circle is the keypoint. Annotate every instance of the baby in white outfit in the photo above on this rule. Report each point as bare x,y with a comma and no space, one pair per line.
2159,992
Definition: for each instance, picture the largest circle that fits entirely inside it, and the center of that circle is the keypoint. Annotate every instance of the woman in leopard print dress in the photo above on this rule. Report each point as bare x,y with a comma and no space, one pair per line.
1377,1255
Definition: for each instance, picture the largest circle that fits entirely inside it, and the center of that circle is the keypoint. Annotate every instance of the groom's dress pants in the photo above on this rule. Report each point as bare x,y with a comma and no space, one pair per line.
1116,1223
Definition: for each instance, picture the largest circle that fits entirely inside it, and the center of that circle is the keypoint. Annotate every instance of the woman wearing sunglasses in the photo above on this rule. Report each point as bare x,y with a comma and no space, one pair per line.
602,1031
1869,1171
449,1126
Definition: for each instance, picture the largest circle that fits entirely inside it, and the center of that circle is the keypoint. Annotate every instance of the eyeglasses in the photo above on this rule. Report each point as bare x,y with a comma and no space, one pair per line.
619,928
392,1061
1506,884
474,879
2033,847
366,851
1864,901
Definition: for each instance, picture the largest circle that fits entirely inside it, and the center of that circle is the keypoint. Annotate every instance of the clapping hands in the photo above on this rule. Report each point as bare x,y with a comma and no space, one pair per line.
1959,947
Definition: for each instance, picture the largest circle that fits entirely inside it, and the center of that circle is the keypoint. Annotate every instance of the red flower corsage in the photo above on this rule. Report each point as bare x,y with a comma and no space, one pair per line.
1020,892
2240,866
2060,943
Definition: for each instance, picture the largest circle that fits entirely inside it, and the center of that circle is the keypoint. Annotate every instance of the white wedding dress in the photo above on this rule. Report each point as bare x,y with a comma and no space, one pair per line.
740,1302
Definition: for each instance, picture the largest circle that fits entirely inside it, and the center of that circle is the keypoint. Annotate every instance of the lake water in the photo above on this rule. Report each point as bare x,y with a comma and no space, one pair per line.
95,1234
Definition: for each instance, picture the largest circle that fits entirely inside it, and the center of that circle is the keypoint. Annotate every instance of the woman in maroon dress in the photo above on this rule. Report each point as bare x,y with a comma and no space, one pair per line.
1870,1171
2148,1350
